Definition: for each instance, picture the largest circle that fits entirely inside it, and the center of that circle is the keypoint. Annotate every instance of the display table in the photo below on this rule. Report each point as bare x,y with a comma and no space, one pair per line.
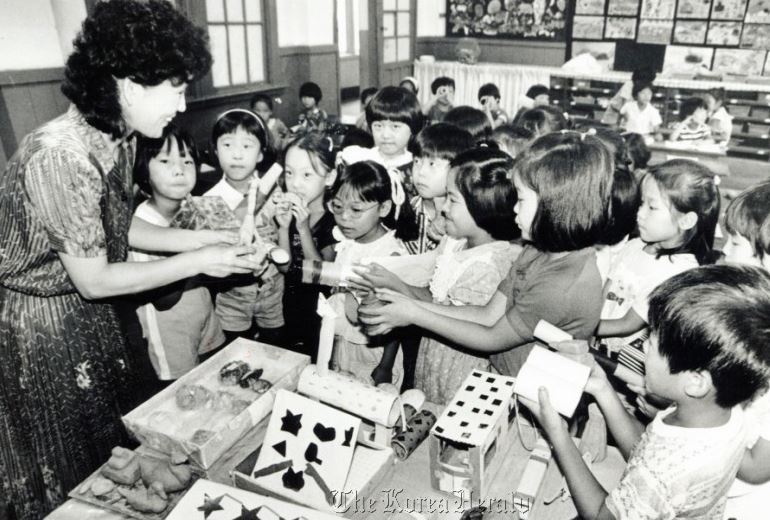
405,491
710,155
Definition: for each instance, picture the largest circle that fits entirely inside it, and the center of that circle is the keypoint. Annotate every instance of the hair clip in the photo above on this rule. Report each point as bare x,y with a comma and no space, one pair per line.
717,180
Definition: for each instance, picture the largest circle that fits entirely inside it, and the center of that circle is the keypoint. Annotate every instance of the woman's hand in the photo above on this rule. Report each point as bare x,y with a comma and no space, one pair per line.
377,277
208,237
546,414
381,319
221,261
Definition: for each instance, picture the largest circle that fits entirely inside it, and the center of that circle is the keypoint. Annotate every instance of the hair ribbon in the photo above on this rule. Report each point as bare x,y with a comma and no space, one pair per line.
396,189
252,114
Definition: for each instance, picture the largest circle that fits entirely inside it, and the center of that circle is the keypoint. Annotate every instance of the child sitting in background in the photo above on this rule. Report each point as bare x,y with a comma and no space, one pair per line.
489,97
512,139
178,322
368,204
707,354
693,126
542,120
443,89
262,105
639,116
747,223
638,153
410,84
719,120
471,119
305,231
312,117
366,96
248,306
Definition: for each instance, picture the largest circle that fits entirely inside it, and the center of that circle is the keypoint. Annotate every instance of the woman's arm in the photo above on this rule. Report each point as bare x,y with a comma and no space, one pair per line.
755,466
149,237
625,326
96,278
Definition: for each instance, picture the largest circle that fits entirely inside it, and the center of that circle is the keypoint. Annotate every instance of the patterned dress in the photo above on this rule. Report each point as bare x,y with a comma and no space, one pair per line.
63,359
467,277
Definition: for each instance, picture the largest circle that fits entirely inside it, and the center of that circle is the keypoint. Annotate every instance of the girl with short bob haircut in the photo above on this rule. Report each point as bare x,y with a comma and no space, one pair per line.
564,184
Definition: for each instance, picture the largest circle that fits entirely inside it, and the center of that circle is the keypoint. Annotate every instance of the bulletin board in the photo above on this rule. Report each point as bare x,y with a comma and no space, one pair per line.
509,19
725,36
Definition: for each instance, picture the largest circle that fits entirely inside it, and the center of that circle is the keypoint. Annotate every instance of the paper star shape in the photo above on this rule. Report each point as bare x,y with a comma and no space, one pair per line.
210,505
248,514
291,423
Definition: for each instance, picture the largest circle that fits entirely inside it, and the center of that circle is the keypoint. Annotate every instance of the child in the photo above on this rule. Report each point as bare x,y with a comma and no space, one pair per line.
542,120
443,89
638,153
262,105
367,202
240,137
178,322
693,126
394,118
479,209
305,231
366,96
748,243
512,139
312,117
642,75
640,116
706,354
471,119
677,219
540,95
410,84
719,120
489,97
563,184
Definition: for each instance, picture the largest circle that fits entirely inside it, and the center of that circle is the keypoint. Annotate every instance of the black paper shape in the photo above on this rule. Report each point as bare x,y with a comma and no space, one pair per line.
273,468
348,437
293,479
323,433
280,448
313,473
210,505
291,423
248,514
311,453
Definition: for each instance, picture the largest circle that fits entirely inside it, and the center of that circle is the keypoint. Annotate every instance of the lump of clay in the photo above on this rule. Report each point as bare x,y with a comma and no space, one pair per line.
122,467
101,486
150,500
232,372
252,381
192,397
170,475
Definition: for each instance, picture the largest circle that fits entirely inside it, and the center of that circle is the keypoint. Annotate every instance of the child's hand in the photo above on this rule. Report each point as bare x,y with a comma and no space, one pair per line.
381,319
378,277
381,375
301,215
646,407
546,414
597,381
283,215
574,349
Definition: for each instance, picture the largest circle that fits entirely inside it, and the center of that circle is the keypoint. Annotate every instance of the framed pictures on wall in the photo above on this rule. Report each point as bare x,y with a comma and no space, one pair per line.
690,32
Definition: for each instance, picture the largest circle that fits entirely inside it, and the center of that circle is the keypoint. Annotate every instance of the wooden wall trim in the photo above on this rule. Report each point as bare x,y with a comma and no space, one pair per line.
496,42
235,97
23,77
307,49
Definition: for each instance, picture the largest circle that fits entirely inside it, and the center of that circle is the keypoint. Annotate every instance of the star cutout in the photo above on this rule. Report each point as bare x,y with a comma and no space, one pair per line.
291,423
210,505
293,479
248,514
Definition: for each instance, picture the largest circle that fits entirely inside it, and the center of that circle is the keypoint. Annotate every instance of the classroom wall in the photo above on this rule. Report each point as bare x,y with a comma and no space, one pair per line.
431,30
28,35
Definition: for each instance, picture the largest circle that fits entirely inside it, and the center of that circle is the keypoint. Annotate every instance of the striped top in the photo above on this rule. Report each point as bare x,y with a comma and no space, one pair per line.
700,132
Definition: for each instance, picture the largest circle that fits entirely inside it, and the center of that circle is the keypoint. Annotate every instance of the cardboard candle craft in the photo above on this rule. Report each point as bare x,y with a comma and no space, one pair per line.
563,378
326,337
469,442
248,233
307,451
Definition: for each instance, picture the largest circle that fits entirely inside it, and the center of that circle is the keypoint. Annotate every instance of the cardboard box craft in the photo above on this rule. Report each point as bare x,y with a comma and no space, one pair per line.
216,414
469,442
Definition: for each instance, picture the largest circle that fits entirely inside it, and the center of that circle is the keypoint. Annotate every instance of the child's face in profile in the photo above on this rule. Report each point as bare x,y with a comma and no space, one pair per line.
446,93
711,102
263,110
172,172
525,207
700,115
430,176
307,101
238,153
391,137
738,250
658,221
300,176
459,222
658,379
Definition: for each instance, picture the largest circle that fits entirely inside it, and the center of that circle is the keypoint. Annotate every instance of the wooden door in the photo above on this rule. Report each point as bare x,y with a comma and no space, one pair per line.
395,29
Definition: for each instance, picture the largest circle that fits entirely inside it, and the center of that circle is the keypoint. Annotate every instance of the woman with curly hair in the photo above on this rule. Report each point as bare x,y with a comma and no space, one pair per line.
65,227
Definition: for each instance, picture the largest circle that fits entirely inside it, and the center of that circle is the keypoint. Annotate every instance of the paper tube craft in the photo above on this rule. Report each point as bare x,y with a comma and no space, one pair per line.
563,378
469,442
417,429
307,451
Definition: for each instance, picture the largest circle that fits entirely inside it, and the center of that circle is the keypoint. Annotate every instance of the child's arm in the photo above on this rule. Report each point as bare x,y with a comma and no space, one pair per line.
624,326
678,130
755,466
377,277
283,219
383,372
586,491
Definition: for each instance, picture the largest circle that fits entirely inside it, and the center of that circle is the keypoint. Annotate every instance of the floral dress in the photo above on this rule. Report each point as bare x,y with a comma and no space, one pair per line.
467,277
63,359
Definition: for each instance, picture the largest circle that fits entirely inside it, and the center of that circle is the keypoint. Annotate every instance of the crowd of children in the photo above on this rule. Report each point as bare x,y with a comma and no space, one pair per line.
501,223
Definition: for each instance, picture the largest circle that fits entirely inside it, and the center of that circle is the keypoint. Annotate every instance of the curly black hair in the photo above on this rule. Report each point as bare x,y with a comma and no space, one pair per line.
148,42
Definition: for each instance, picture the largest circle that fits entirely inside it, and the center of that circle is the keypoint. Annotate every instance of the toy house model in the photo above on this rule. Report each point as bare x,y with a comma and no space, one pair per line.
468,443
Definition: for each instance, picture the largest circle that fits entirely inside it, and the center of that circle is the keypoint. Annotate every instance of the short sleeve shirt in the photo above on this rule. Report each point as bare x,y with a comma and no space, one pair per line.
642,122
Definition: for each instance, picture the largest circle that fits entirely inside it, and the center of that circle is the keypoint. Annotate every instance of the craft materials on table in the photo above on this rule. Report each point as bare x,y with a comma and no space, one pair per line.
210,212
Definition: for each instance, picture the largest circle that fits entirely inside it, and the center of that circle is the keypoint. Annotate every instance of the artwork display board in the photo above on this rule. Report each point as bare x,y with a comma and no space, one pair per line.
512,19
